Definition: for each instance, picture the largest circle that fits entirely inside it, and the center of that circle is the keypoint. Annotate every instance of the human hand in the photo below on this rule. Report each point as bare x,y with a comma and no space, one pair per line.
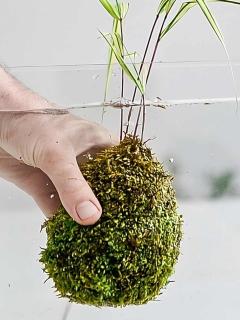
39,153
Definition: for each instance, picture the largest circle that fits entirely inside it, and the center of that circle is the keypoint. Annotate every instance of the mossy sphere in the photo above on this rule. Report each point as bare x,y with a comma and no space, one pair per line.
128,256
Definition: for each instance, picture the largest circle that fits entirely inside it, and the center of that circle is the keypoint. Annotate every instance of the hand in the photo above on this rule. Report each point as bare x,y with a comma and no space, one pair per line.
39,153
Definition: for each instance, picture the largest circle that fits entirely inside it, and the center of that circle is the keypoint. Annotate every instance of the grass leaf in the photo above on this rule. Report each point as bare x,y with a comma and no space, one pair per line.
118,11
203,5
227,1
116,28
122,9
185,7
162,6
165,6
111,9
114,45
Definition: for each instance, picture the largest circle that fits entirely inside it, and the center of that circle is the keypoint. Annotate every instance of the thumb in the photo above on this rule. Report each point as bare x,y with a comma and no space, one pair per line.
74,192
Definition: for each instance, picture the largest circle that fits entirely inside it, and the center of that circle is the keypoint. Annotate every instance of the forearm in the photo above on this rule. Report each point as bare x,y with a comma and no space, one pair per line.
15,96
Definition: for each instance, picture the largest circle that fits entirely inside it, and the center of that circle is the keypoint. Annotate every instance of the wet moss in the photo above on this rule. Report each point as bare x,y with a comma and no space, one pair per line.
129,255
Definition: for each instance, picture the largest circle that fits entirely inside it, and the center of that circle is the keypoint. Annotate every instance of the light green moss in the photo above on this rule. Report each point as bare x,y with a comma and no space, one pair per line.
128,256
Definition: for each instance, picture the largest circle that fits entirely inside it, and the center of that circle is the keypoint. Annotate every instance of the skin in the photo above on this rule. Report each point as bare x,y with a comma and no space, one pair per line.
40,153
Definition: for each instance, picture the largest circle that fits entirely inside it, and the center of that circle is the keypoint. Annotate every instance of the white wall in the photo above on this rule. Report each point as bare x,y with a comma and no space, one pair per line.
66,32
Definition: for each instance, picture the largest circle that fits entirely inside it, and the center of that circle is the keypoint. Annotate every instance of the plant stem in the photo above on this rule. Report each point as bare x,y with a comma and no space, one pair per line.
142,104
148,74
144,117
156,45
137,122
140,70
122,88
122,85
145,53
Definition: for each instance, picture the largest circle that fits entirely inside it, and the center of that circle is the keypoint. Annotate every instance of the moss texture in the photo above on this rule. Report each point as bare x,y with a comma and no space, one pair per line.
129,255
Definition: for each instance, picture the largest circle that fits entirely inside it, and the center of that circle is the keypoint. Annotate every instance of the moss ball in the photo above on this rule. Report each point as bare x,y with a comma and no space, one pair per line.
128,256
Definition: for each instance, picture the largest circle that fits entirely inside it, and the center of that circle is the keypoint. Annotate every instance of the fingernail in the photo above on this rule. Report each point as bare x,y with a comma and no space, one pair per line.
86,210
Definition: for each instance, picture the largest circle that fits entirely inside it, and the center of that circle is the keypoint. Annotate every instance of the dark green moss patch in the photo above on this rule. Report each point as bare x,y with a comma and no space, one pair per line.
129,255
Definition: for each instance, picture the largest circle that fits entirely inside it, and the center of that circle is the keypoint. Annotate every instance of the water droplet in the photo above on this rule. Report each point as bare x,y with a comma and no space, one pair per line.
130,123
171,160
52,196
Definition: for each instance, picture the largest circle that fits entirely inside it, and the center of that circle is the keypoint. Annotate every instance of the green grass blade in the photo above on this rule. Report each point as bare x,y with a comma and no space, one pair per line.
185,7
113,45
165,6
111,9
118,43
124,11
226,1
117,40
122,8
116,28
170,5
161,7
203,6
127,54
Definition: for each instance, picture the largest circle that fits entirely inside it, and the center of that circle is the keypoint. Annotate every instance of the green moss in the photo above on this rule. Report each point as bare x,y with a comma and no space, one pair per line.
128,256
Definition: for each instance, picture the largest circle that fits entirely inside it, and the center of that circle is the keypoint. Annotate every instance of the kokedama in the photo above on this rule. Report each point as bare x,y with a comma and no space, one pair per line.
128,256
